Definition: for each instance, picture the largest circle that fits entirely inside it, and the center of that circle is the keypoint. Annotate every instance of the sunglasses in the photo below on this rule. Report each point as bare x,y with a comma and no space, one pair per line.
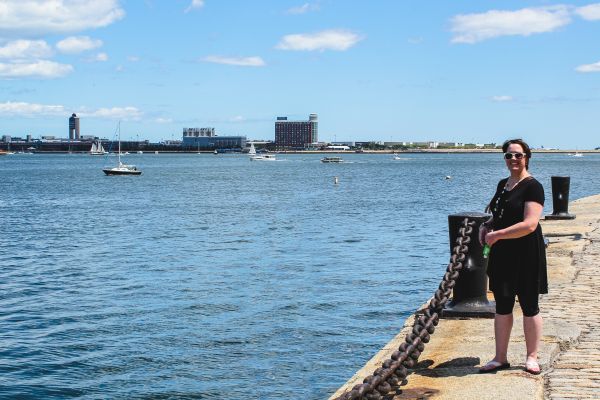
509,156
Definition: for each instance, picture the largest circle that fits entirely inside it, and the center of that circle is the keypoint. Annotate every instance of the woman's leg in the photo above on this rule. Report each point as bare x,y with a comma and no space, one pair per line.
503,322
532,327
502,327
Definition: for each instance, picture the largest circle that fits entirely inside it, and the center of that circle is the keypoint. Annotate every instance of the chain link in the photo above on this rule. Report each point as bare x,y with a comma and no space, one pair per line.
393,371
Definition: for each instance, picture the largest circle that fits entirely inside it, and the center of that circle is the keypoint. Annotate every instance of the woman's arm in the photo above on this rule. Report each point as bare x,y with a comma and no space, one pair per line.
531,218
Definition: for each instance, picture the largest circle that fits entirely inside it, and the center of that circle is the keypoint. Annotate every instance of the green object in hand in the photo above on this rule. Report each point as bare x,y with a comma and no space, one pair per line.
486,250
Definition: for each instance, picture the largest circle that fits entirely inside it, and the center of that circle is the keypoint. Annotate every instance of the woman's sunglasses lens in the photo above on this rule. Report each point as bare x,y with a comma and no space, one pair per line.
509,156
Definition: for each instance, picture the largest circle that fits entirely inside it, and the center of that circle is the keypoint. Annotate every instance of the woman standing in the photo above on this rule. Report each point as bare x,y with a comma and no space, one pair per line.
517,259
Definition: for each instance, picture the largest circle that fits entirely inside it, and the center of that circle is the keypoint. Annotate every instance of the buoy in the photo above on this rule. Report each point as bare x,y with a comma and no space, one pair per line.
336,180
448,177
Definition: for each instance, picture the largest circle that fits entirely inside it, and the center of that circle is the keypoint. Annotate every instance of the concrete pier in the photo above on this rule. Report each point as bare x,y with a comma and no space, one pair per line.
570,350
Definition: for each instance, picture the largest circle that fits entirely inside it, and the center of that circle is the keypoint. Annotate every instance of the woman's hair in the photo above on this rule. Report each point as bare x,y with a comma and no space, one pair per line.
523,145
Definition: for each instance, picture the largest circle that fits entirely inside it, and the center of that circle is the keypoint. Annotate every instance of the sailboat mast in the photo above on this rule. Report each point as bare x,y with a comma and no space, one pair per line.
119,154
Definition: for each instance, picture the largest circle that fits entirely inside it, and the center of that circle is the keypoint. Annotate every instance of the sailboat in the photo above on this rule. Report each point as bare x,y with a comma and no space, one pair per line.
97,149
259,157
121,169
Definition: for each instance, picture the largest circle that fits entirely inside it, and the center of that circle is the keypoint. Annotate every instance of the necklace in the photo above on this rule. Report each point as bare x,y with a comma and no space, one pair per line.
504,190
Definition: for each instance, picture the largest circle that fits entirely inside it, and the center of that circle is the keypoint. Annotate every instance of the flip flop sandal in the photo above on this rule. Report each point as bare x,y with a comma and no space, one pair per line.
493,366
533,367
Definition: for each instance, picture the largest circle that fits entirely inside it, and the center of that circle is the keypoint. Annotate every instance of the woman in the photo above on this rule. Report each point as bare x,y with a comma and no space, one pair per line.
517,259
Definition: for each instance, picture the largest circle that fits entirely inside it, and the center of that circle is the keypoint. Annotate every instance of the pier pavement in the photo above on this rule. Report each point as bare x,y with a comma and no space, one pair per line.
570,350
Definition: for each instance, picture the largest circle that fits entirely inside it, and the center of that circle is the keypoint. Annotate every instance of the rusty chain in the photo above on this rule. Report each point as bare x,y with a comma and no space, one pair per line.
393,371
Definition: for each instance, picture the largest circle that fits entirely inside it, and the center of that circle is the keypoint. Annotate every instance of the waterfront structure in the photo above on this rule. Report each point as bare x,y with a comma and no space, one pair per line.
296,134
206,138
74,133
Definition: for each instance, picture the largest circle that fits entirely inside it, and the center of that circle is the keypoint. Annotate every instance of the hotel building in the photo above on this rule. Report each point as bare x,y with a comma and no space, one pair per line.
296,134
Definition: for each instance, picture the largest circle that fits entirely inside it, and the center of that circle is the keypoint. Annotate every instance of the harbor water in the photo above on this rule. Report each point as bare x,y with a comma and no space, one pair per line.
213,277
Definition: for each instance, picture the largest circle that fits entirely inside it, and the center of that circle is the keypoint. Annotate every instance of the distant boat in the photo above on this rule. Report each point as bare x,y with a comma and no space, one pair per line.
121,169
576,154
97,149
397,157
140,152
215,152
260,157
332,160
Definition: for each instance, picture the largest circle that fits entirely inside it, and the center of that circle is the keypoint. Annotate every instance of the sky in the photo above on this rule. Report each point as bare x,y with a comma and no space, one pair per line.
387,70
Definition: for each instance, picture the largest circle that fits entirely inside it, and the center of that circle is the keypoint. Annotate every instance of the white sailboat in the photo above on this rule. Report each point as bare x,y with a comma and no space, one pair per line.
259,157
97,149
122,169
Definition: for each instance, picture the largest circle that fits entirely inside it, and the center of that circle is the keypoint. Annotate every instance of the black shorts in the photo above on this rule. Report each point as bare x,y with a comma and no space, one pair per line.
529,304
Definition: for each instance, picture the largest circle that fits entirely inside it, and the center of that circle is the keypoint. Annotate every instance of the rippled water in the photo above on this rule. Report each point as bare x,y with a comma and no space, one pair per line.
213,277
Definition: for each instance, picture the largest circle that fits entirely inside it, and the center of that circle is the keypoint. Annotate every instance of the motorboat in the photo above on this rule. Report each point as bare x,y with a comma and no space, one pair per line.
332,160
263,157
121,169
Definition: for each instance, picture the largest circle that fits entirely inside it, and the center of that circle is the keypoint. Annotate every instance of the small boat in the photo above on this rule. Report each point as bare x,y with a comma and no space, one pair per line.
397,157
121,169
260,157
97,149
577,154
215,152
263,157
332,160
140,152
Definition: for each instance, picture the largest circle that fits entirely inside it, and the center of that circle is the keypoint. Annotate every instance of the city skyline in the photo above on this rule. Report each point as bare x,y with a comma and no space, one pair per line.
385,71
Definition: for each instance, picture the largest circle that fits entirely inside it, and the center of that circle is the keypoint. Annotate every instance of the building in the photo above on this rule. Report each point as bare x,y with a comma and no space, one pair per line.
206,139
296,134
74,133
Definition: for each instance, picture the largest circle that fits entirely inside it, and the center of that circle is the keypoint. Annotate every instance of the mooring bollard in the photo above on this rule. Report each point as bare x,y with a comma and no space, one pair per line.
560,198
469,296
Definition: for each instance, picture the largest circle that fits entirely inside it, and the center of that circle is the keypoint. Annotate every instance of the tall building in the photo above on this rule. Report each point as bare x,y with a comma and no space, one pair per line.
296,134
74,127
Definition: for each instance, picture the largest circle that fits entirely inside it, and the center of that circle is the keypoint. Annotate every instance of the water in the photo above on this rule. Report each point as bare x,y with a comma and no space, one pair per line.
214,277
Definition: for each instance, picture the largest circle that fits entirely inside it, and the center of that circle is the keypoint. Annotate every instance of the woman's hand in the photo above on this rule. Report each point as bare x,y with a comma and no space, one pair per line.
491,238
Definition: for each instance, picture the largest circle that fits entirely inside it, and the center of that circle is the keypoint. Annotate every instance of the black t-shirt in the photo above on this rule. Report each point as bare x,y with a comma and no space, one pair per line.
517,266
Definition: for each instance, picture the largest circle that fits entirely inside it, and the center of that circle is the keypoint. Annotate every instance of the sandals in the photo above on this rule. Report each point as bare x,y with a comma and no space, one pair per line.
493,366
533,367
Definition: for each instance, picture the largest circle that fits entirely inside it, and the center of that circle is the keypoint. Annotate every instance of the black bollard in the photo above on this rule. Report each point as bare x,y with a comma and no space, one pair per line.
469,297
560,198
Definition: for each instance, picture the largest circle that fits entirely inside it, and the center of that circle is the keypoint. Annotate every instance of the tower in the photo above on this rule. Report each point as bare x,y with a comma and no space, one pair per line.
74,127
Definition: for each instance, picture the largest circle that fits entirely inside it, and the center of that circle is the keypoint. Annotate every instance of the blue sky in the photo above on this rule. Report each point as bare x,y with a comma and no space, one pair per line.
372,70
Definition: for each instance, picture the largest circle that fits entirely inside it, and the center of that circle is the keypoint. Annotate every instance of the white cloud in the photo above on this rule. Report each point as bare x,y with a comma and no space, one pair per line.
25,49
195,4
304,8
77,44
239,61
335,39
124,113
101,57
473,28
30,109
163,120
238,118
36,69
133,58
502,99
595,67
40,17
590,12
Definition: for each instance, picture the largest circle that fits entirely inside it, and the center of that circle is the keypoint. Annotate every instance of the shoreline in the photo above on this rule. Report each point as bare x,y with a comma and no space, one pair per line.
420,151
